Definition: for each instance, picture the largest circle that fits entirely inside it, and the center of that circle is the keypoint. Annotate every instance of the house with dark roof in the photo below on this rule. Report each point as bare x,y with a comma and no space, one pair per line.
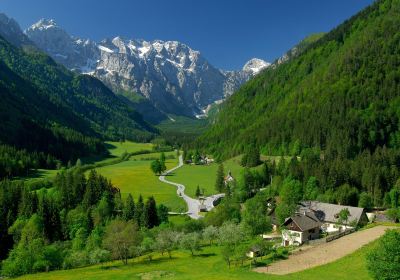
300,228
328,215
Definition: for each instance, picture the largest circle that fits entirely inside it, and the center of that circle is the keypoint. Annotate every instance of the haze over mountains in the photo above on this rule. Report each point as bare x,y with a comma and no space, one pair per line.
161,77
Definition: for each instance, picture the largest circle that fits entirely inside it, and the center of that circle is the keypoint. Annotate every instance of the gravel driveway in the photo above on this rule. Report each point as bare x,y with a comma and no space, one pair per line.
324,253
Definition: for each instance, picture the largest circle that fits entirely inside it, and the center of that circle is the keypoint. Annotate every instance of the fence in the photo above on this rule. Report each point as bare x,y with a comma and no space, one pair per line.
339,235
330,238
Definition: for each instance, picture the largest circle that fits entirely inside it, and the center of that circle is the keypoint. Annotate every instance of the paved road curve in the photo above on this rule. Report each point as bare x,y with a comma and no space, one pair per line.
193,204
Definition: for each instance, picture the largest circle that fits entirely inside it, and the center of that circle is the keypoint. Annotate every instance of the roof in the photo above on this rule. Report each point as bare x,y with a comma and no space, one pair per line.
327,212
305,221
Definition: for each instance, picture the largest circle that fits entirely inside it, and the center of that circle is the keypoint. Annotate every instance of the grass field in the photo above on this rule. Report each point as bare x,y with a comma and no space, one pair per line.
204,176
38,175
134,176
209,265
118,148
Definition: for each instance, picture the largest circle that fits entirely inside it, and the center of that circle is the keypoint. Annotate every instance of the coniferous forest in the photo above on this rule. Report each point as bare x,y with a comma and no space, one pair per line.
63,225
334,104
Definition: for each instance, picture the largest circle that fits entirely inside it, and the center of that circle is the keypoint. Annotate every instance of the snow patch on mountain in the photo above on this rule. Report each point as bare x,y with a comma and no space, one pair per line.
255,66
173,77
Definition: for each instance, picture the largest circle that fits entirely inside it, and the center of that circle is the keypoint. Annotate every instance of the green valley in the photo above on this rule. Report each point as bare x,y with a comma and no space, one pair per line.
128,158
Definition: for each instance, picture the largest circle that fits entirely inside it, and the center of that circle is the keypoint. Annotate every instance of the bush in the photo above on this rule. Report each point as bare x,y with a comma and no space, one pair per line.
383,260
76,259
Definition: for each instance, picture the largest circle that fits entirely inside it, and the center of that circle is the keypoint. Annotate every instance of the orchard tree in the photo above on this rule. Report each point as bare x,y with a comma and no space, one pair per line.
166,241
210,234
191,242
121,238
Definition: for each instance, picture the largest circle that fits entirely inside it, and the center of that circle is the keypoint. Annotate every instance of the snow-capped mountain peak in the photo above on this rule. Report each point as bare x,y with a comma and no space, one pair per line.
44,24
173,77
255,65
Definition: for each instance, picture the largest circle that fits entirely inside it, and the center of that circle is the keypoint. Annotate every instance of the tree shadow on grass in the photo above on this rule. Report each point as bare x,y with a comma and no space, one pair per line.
205,255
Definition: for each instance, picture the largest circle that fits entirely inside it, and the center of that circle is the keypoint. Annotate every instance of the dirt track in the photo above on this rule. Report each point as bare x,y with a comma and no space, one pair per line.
324,253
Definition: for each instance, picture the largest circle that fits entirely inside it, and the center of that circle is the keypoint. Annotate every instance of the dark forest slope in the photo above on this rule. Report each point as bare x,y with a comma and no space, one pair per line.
46,108
341,94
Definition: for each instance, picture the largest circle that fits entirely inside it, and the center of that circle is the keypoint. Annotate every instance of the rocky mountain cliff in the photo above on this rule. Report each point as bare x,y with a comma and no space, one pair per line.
161,77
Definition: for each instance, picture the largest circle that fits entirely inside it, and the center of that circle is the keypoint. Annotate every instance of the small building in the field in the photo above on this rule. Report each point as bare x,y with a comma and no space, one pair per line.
300,228
202,206
254,252
228,178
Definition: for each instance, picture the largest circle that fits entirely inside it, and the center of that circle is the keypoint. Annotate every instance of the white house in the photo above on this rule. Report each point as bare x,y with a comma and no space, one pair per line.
300,228
328,214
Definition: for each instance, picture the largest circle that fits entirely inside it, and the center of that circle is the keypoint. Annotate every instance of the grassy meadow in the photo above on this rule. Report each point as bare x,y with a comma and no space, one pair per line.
116,149
135,177
208,264
204,176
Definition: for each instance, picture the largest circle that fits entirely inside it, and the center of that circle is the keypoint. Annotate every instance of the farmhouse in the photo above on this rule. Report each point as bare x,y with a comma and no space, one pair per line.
228,178
328,215
314,216
300,228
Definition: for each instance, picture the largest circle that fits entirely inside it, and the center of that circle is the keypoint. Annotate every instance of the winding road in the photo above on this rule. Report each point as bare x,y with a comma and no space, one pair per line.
193,204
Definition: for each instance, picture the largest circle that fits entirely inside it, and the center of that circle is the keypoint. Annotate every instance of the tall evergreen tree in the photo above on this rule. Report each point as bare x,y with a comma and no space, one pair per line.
198,192
219,183
129,209
162,157
150,213
139,209
162,213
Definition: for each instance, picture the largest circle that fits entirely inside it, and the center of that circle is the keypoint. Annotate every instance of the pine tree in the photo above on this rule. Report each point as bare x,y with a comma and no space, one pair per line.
156,167
150,213
162,213
78,163
198,192
162,157
129,208
219,183
139,211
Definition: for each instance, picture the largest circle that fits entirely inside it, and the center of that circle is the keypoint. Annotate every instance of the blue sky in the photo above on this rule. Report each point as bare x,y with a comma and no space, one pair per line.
228,33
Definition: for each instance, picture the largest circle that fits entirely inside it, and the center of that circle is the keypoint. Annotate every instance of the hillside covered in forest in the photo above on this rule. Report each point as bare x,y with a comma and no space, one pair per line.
335,104
53,113
340,95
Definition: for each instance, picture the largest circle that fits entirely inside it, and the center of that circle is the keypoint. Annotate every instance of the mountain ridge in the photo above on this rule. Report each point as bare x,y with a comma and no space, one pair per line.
47,108
171,76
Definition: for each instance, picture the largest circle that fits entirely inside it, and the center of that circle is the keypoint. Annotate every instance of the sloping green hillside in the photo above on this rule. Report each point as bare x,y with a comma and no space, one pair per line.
47,108
341,94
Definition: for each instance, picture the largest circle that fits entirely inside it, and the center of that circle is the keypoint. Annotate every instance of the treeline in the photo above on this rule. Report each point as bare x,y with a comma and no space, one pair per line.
15,162
335,106
63,225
